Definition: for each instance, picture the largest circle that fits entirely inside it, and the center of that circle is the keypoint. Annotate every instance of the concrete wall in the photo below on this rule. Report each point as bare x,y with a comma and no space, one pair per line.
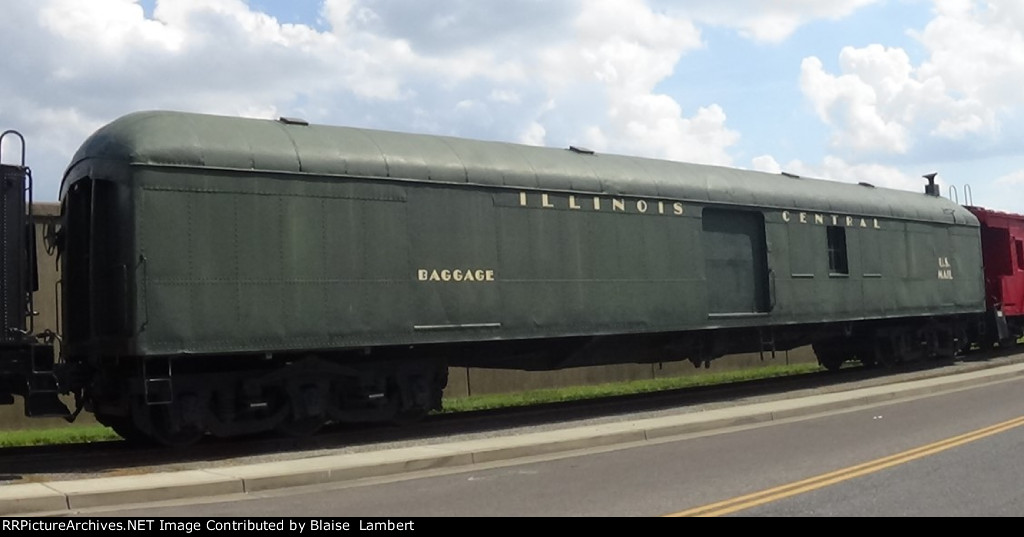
461,381
474,381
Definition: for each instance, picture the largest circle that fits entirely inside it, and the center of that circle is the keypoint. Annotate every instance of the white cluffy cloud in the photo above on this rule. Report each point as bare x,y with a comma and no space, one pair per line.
536,72
603,73
1015,178
880,103
770,22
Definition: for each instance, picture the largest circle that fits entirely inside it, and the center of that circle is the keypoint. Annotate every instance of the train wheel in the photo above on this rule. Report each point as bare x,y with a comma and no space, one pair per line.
987,343
179,439
831,355
303,408
177,424
301,427
125,428
832,363
867,359
417,394
409,416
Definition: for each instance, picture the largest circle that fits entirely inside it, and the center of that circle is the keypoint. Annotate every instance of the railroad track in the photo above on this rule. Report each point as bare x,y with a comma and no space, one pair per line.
78,461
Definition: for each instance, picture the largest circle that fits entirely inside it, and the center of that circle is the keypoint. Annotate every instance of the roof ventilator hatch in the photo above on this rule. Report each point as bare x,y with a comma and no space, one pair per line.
293,121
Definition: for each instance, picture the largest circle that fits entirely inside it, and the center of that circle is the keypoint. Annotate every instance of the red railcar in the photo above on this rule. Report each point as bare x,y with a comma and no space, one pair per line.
1002,244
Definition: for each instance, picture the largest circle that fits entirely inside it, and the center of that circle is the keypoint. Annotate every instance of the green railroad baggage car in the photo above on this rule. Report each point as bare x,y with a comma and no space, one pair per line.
226,275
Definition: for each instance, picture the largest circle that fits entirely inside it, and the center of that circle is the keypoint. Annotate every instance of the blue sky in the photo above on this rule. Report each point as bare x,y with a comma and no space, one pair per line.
881,91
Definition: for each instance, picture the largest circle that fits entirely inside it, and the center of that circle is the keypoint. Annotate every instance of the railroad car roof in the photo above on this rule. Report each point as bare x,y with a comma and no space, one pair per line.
991,218
179,139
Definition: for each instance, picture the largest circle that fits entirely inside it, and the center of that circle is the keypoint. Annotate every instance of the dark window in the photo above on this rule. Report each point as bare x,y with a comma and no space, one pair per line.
1020,254
837,261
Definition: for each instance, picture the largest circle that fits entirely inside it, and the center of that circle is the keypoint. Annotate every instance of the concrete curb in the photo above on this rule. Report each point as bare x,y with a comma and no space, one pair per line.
27,499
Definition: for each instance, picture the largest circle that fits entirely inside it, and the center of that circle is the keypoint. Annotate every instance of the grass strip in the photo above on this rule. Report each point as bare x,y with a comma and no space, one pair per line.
71,434
574,393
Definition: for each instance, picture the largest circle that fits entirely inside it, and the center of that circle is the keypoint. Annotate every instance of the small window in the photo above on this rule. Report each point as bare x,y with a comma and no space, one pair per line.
1020,254
837,260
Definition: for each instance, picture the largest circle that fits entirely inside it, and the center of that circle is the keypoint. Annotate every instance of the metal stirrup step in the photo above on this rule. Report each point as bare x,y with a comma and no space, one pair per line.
42,393
156,381
767,336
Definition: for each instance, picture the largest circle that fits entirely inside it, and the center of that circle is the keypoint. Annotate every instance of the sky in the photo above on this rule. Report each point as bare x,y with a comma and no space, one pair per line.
880,91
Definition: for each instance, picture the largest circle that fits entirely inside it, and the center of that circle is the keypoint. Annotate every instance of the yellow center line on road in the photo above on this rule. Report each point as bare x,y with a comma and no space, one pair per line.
747,501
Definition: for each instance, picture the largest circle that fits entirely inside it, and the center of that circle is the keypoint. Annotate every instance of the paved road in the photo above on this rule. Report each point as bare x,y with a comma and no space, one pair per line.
947,454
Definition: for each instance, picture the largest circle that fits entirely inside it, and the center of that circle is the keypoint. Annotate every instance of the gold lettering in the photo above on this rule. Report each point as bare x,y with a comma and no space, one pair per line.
822,219
642,206
455,275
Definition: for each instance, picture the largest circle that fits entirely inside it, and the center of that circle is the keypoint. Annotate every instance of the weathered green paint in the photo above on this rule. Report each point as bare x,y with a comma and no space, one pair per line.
254,235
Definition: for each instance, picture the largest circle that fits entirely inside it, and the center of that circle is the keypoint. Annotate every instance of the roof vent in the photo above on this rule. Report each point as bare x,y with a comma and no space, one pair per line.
581,150
293,121
931,188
